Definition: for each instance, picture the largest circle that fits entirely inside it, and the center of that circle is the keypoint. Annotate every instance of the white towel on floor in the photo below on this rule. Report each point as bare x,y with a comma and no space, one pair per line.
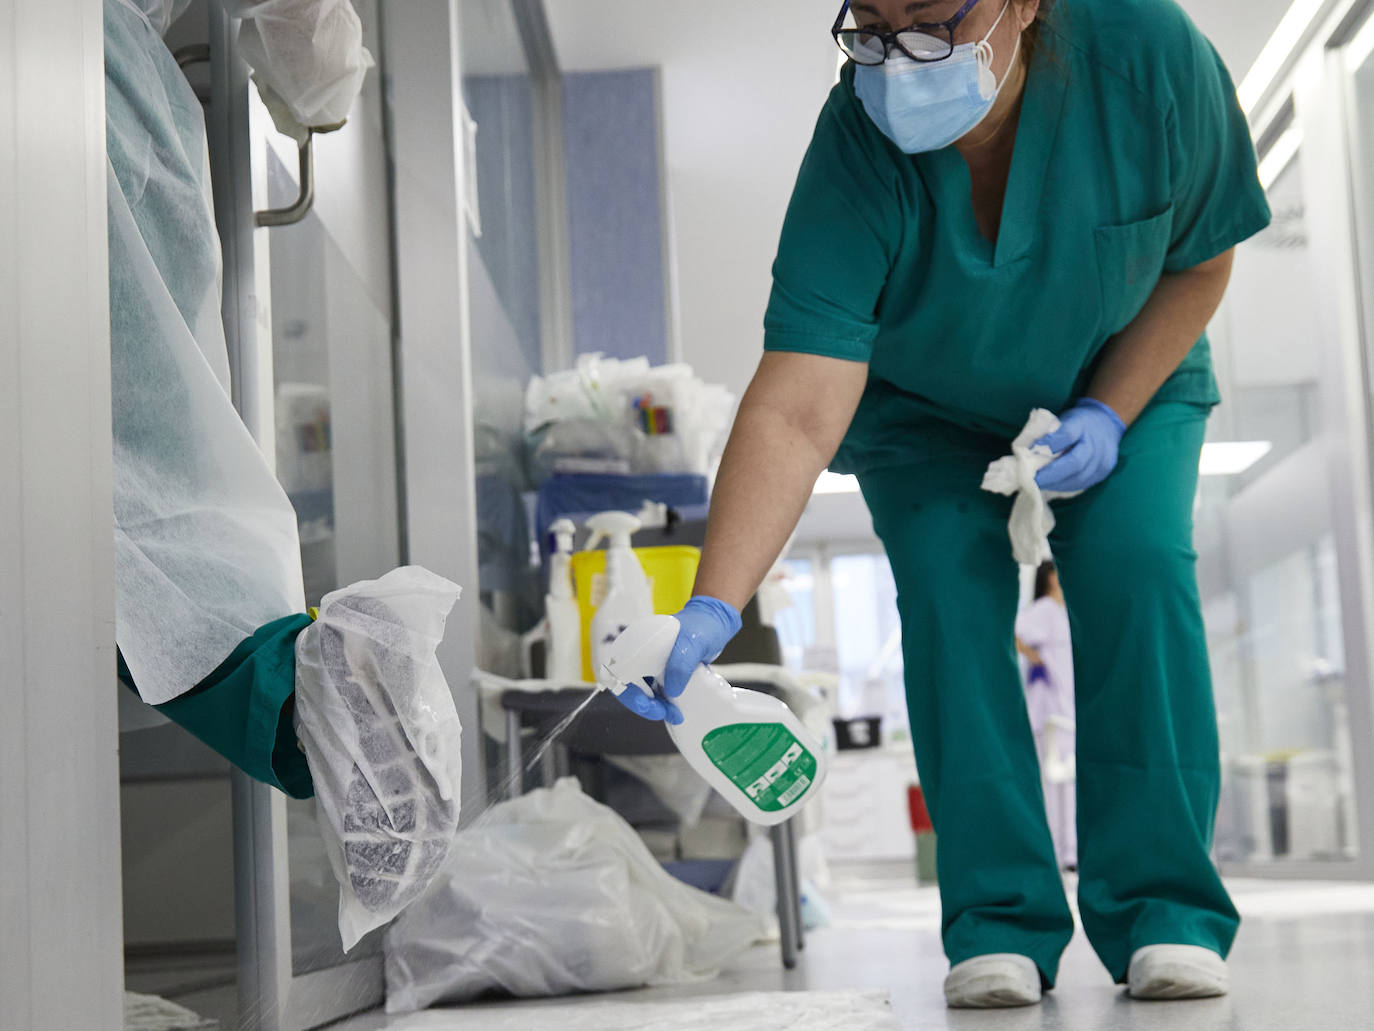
1031,519
151,1013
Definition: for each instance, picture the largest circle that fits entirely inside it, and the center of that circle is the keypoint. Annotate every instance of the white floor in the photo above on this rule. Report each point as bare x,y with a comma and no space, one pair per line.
1304,960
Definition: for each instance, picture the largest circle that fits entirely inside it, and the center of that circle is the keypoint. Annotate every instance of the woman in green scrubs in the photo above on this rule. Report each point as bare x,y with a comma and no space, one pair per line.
1009,206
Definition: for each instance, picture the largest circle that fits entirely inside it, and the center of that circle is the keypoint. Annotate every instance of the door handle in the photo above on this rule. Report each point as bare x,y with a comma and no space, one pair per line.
199,53
274,217
193,53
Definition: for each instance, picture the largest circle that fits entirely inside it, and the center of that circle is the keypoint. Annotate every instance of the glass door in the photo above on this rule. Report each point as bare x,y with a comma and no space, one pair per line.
308,309
1284,527
503,107
335,447
1353,67
1267,561
1358,69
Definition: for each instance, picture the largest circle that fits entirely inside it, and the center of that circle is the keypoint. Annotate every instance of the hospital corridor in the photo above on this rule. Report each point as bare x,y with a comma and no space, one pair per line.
623,515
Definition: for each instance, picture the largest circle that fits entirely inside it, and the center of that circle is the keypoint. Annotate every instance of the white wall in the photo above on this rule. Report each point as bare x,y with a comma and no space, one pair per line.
742,86
59,846
1237,28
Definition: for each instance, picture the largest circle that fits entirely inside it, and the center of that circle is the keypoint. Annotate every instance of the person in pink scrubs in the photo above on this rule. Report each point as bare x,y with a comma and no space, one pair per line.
1042,638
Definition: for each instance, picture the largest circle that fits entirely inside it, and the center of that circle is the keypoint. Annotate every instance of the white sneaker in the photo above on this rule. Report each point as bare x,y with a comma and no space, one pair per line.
1176,972
994,981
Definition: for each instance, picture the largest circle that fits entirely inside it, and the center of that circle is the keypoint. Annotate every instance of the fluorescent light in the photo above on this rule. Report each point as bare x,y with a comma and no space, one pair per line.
1279,155
1225,458
1292,28
834,483
1231,458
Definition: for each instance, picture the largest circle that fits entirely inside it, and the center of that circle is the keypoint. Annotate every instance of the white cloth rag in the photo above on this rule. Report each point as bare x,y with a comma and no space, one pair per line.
1031,519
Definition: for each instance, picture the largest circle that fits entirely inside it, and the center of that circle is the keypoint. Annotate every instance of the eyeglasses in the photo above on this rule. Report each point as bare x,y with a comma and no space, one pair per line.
925,43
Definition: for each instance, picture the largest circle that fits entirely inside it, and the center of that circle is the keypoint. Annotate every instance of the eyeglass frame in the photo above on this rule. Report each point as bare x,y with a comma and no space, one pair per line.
890,40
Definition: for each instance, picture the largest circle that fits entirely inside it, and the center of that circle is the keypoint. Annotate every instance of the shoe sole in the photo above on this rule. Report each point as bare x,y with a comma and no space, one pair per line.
987,993
1179,984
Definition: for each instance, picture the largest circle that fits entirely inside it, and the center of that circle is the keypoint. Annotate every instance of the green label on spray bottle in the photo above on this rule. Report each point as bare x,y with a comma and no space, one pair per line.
764,760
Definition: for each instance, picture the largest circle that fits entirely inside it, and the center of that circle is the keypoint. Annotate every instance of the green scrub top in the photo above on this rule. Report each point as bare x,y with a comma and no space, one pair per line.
1132,159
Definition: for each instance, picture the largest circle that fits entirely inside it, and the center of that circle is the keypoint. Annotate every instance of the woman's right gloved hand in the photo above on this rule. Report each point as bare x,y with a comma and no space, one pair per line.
707,626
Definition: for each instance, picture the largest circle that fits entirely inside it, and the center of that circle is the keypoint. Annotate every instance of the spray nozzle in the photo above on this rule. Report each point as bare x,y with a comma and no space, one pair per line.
617,526
639,654
563,532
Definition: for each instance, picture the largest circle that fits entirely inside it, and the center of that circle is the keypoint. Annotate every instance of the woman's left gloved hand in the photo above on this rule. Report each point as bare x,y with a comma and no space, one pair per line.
1085,446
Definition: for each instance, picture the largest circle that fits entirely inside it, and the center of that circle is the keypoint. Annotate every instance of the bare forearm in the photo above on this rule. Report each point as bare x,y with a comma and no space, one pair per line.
765,481
789,425
1142,356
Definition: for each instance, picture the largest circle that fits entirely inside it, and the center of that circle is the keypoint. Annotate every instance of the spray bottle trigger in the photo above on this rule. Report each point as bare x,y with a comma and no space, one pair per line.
638,654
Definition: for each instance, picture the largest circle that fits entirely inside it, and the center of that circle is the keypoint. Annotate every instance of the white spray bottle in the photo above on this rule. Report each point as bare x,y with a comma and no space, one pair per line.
627,597
749,746
560,605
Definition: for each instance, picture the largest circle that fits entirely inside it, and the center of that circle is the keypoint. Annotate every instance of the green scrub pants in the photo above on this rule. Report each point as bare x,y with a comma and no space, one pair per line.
243,710
1148,762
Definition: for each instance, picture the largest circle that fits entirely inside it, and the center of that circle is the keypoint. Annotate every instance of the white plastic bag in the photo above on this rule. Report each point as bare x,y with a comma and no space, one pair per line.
672,780
383,741
754,883
1031,519
552,893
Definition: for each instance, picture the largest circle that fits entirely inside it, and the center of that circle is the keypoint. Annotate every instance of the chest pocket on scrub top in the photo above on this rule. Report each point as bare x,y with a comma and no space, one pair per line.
1130,259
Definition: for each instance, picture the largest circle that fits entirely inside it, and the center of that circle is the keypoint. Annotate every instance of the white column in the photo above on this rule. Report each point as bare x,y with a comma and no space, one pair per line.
60,906
434,354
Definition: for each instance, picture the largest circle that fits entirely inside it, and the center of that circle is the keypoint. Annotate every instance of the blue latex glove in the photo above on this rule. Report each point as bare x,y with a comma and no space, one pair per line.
707,626
1086,444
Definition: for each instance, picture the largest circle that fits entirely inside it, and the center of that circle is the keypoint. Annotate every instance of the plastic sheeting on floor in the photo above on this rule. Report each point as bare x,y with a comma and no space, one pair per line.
552,893
751,1011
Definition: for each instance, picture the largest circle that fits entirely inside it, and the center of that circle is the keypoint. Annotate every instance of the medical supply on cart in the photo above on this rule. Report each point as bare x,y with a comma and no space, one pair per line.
628,596
561,610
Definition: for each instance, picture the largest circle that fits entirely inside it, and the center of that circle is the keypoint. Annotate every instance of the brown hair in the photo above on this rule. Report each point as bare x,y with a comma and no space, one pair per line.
1042,579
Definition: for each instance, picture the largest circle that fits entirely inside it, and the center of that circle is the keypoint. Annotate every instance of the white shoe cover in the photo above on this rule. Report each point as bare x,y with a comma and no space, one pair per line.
382,737
995,981
1176,972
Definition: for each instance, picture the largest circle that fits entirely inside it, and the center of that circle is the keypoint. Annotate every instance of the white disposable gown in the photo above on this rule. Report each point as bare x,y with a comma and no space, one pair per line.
206,549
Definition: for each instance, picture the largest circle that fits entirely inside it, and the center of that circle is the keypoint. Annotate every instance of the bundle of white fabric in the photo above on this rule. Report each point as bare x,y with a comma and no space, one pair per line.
1031,519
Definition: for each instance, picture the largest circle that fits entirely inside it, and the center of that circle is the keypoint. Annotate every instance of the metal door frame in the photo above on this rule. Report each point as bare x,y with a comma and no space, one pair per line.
551,186
436,475
271,996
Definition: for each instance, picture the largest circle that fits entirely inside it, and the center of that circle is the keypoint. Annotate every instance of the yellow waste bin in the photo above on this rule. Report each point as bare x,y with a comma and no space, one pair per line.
671,571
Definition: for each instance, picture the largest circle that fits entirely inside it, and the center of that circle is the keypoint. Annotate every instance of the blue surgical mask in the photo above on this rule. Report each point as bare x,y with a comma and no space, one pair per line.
923,106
